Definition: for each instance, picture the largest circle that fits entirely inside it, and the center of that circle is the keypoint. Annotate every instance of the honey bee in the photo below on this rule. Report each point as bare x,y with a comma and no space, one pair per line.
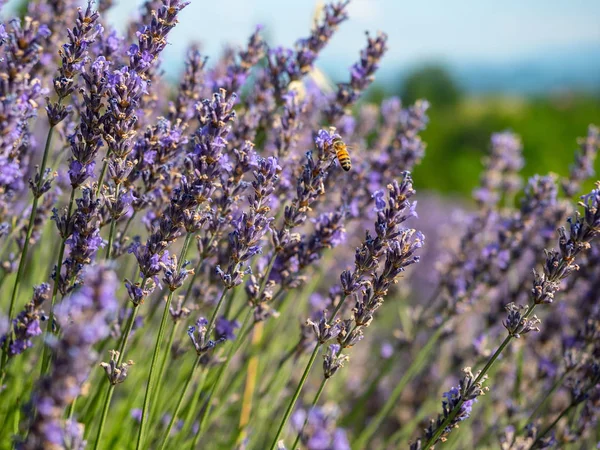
341,151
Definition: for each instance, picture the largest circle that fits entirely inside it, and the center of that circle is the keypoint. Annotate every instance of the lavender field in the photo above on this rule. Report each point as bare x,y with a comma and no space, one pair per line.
242,259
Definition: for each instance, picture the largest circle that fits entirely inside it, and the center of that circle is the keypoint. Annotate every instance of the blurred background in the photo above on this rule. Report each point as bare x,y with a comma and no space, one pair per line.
529,66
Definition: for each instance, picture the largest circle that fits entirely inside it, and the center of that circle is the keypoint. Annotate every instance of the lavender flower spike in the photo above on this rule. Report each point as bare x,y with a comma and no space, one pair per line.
27,324
85,321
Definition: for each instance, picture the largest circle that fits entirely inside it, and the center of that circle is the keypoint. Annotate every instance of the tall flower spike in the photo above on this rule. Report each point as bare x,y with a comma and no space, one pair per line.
73,55
188,93
285,65
464,395
152,38
583,168
238,71
501,168
27,324
85,321
87,139
361,76
20,92
84,239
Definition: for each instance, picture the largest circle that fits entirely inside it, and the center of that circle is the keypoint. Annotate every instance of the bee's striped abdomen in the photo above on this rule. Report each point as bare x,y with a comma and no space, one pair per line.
341,151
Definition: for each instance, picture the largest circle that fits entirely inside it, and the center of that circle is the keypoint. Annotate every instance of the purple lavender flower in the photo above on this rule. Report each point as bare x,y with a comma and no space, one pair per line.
73,55
557,265
174,274
361,76
460,399
19,95
85,321
198,334
27,324
237,72
288,125
188,93
283,67
387,228
387,350
502,166
87,139
318,429
225,329
152,37
583,168
333,360
246,239
81,232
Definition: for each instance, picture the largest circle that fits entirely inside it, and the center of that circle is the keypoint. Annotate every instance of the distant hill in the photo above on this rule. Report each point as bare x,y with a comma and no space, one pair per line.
576,69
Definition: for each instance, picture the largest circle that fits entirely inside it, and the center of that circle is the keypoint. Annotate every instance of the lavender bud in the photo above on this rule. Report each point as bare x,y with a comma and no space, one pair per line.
333,360
516,324
115,372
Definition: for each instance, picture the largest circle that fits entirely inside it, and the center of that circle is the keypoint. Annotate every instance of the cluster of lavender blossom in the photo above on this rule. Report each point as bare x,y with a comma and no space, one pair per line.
175,259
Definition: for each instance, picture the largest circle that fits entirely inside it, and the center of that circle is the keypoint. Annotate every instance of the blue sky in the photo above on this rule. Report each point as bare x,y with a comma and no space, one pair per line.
457,32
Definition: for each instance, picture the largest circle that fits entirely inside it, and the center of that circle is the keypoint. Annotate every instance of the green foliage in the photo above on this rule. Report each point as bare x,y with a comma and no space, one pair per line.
460,127
458,138
432,82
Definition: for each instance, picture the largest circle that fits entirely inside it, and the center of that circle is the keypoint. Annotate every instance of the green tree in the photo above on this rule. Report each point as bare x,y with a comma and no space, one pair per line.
433,82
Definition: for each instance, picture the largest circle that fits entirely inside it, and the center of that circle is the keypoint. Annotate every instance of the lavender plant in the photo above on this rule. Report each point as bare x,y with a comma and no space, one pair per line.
207,249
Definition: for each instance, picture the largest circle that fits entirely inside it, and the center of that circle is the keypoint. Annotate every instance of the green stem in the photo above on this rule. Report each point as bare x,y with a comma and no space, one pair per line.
314,403
282,361
151,376
72,408
292,403
413,370
232,350
59,261
440,429
252,368
305,374
197,270
105,408
23,260
179,403
163,365
337,309
150,386
187,422
430,303
213,318
111,387
128,223
113,225
516,394
540,436
263,282
103,172
554,387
